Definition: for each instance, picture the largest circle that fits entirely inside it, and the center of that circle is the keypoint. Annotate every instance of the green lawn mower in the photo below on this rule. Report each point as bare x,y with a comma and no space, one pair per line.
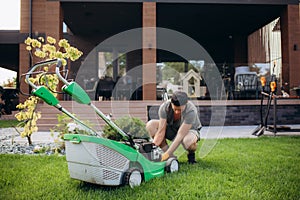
95,159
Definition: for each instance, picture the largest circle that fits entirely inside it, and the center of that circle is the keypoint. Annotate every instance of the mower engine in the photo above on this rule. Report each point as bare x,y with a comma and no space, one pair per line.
149,150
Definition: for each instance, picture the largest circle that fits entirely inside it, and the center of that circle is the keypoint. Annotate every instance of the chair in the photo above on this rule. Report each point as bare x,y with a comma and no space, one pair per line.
245,85
104,88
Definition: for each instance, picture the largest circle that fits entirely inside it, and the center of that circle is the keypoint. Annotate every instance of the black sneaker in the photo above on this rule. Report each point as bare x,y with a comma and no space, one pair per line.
191,157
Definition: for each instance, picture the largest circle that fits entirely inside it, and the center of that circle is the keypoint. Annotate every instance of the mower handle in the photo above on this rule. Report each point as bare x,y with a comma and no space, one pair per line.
33,68
80,96
60,77
73,89
42,92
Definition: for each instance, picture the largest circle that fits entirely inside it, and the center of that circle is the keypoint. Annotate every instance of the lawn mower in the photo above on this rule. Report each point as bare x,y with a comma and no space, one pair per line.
95,159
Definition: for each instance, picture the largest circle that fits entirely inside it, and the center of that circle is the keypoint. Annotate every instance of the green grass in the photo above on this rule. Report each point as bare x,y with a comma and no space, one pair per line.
6,123
263,168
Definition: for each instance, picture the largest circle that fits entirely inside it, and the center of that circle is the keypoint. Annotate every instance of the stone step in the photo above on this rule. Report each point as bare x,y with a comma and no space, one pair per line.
9,117
118,109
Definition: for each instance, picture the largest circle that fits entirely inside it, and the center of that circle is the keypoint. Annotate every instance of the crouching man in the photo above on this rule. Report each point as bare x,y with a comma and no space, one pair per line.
179,123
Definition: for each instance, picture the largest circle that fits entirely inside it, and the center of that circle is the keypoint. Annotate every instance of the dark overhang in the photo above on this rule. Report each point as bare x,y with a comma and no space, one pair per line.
9,56
11,37
267,2
212,23
9,48
216,20
105,19
101,19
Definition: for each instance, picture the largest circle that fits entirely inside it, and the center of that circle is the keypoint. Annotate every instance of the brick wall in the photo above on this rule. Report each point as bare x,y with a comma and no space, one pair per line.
240,114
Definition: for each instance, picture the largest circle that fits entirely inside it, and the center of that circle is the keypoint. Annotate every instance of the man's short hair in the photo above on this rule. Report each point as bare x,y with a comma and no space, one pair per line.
179,98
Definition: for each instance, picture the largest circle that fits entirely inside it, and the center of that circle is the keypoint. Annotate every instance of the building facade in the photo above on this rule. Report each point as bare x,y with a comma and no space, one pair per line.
227,30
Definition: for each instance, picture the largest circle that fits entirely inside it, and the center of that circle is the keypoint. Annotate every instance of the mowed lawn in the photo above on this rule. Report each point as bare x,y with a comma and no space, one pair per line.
262,168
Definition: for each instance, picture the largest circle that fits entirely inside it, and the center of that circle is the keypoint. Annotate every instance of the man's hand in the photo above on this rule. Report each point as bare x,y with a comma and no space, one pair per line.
182,132
165,156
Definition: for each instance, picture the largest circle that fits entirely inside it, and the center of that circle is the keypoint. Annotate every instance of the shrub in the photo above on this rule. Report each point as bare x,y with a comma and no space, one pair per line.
66,125
130,125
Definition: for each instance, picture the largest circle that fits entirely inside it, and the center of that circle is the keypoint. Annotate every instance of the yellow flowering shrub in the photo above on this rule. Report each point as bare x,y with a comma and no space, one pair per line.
45,50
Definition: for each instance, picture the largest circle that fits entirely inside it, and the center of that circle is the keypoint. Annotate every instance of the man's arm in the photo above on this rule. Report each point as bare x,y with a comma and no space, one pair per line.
161,132
182,132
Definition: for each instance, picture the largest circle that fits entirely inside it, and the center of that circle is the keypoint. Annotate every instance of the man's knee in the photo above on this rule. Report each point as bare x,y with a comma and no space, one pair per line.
151,127
192,147
190,142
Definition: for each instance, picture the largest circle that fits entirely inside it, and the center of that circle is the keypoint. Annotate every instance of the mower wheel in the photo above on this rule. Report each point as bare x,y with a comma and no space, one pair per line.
133,177
172,165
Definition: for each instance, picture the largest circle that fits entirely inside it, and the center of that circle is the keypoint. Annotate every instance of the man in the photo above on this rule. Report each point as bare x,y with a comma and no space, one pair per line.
178,122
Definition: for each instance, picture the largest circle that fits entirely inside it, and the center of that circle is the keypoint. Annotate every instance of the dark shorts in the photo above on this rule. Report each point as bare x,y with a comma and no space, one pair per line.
171,133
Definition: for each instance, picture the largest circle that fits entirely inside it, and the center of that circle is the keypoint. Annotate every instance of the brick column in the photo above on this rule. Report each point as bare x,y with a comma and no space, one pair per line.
23,53
53,19
46,21
290,40
149,51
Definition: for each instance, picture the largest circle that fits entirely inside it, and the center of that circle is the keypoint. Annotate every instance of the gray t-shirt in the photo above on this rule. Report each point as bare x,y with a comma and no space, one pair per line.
188,116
